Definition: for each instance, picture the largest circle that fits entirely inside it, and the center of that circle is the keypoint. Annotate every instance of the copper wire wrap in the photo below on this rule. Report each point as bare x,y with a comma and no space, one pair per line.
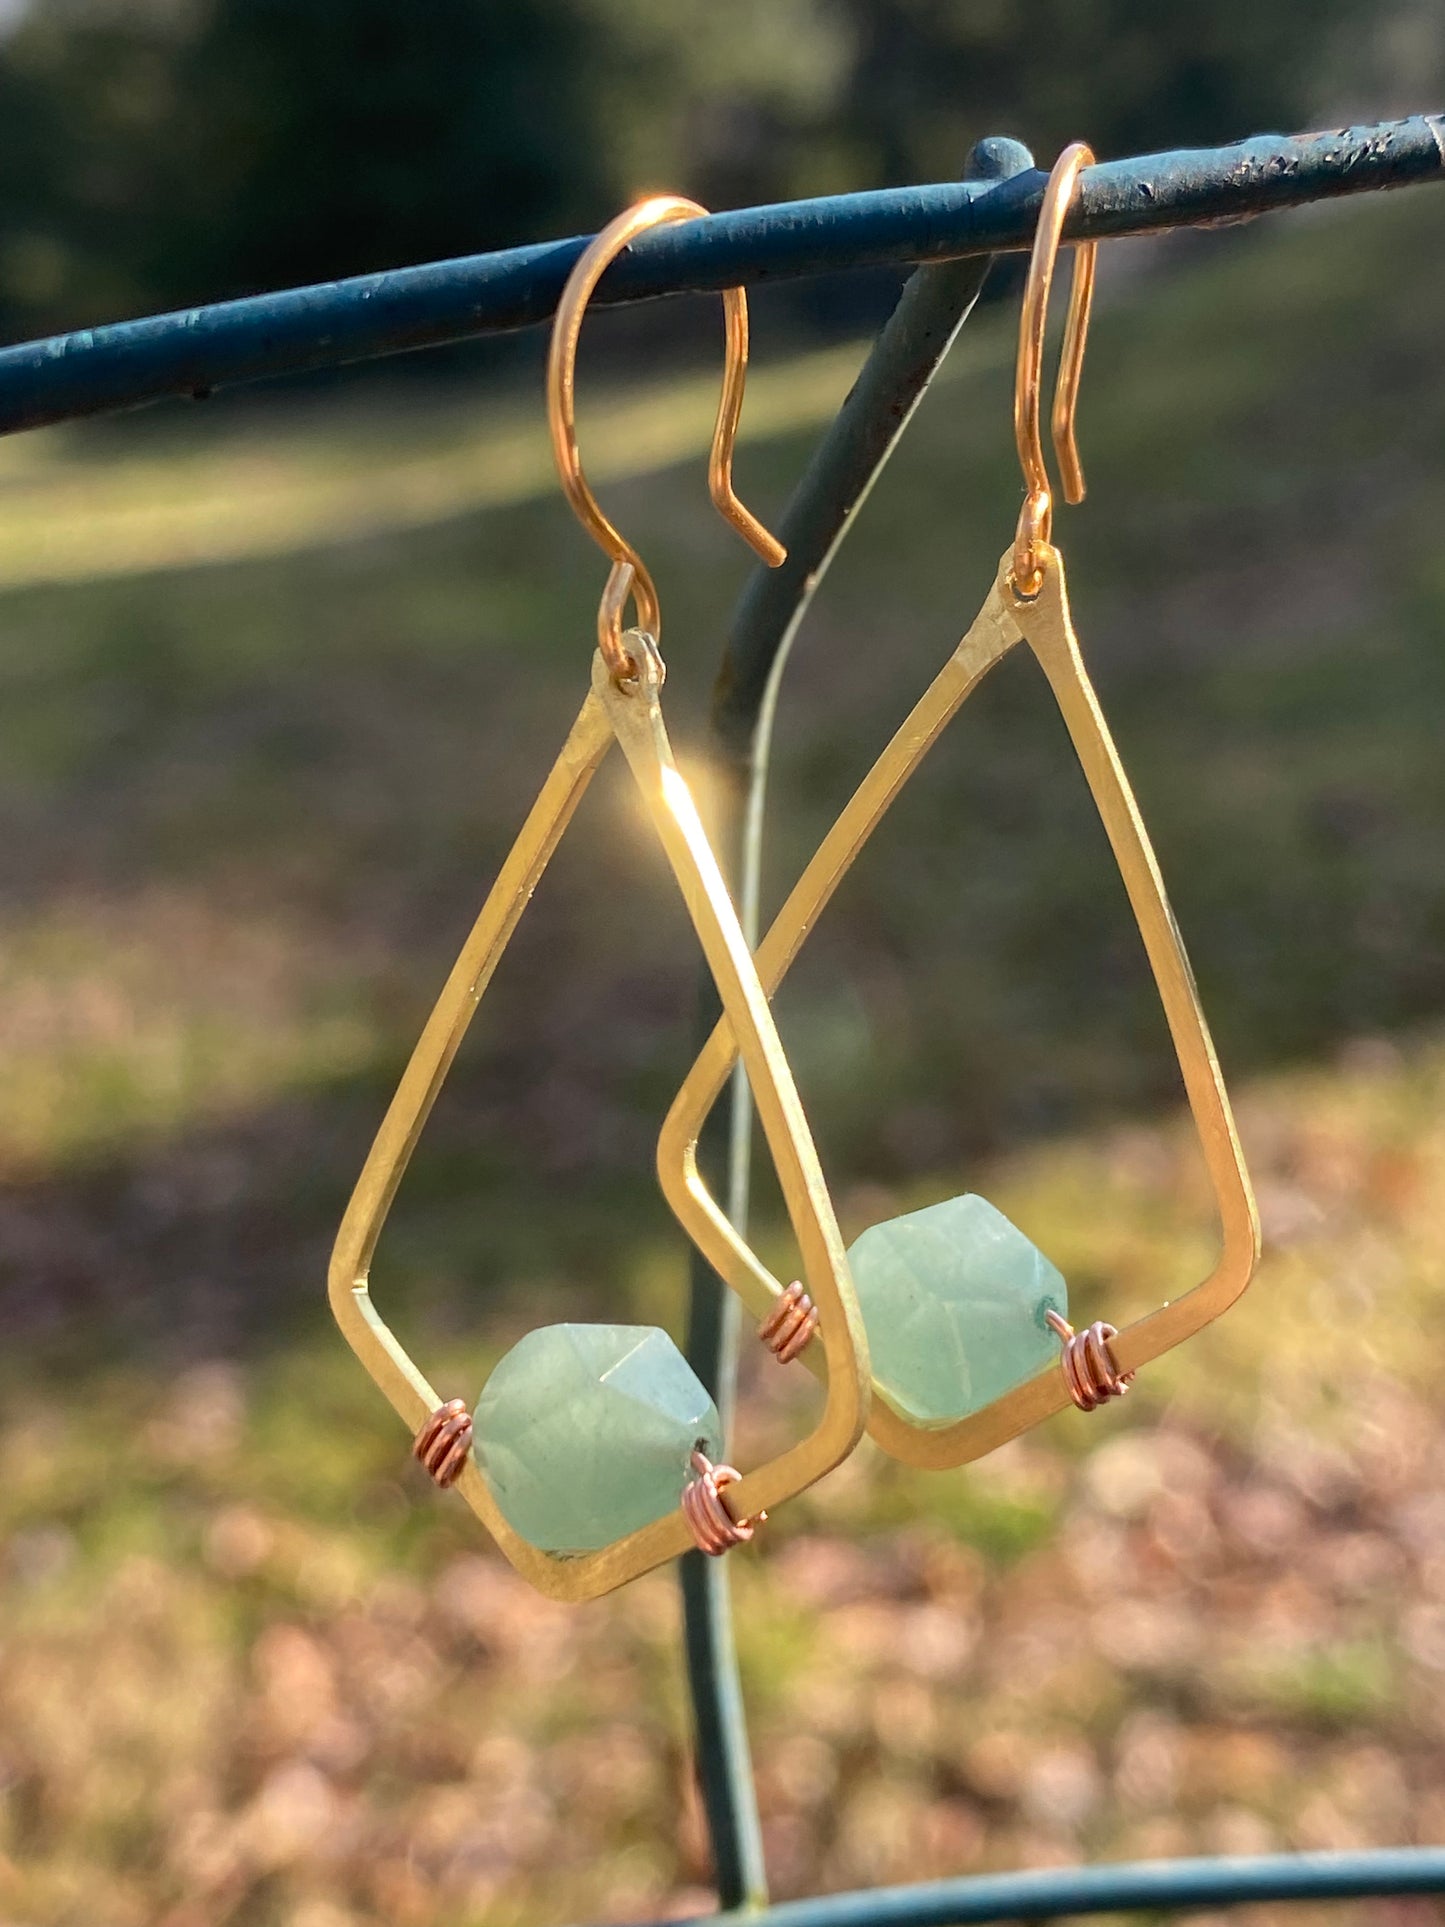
444,1441
788,1328
714,1529
1087,1363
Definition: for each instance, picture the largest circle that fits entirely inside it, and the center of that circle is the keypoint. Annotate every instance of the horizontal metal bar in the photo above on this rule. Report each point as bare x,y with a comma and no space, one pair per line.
99,370
1062,1892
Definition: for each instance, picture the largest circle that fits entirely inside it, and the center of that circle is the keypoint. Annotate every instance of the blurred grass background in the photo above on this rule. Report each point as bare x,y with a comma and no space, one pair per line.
279,679
252,1668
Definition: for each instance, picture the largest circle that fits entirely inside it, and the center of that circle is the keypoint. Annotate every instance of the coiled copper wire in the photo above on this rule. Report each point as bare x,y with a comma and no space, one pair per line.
444,1441
789,1326
714,1529
1087,1363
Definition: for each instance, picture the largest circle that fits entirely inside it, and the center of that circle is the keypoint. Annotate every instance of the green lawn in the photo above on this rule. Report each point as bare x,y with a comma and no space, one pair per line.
276,688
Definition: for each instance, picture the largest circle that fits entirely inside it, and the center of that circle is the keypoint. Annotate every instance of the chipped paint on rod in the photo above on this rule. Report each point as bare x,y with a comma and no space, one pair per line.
101,370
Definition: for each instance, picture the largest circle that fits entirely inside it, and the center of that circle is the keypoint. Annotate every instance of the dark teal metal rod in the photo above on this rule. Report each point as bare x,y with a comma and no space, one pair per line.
1060,1893
98,370
932,308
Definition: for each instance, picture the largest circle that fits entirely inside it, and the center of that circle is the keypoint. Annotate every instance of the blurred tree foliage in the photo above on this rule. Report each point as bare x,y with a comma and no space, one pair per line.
167,151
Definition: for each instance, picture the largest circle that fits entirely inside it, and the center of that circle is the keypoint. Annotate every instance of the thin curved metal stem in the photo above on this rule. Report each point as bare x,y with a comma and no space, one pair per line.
932,308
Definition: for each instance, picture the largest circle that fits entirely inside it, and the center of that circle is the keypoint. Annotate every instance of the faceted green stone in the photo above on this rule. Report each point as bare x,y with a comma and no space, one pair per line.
953,1298
585,1432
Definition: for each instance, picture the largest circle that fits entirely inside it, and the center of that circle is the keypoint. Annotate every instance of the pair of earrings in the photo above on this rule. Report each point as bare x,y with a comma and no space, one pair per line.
593,1455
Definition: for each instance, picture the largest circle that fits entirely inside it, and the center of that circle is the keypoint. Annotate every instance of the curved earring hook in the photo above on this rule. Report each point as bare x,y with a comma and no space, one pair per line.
1036,517
629,575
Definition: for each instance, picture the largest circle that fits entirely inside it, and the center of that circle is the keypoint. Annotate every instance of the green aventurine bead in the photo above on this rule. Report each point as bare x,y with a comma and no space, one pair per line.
585,1432
953,1299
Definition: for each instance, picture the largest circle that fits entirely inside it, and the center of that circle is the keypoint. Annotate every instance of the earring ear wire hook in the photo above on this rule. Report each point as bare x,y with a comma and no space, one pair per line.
629,574
1036,516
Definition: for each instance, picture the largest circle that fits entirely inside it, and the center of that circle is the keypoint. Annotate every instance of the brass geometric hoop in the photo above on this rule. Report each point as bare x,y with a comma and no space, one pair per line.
1043,622
633,718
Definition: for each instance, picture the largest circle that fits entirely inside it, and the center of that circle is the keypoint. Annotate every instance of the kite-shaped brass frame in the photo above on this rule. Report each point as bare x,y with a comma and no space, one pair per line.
623,705
1043,623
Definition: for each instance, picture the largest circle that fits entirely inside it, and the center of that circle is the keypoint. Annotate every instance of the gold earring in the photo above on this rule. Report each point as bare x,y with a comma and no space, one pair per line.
552,1496
965,1316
